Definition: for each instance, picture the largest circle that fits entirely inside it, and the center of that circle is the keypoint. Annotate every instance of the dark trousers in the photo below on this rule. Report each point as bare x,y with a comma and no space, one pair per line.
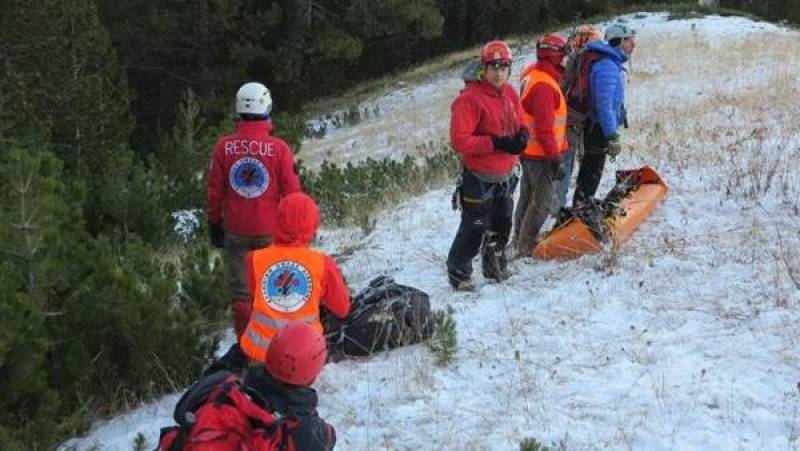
592,163
575,138
236,249
486,212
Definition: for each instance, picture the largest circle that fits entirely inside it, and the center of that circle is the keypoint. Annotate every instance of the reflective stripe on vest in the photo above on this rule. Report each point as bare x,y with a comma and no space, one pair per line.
534,148
257,339
278,323
288,289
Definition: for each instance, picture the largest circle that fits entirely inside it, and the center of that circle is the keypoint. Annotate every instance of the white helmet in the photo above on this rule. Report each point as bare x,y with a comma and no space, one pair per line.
253,98
619,30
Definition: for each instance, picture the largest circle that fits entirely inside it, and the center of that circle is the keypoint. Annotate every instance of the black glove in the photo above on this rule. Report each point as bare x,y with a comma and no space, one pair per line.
217,234
513,144
614,146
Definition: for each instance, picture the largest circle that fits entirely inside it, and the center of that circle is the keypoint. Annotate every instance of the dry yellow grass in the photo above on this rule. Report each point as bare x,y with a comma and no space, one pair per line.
722,85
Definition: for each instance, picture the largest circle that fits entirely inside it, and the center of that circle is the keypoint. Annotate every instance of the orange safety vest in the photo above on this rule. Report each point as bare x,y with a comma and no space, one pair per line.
288,288
534,148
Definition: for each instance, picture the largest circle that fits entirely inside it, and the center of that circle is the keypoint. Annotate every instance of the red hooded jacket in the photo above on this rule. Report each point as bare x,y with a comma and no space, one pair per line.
480,112
250,172
295,226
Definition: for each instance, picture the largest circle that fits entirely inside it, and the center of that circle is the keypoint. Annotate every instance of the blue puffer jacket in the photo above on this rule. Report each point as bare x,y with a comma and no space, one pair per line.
607,87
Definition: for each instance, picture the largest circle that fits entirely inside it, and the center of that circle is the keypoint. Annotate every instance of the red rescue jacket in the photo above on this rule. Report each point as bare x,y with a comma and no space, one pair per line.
480,112
250,172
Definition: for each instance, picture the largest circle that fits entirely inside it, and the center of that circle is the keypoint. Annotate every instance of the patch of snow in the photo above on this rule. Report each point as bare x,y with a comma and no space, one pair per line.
186,223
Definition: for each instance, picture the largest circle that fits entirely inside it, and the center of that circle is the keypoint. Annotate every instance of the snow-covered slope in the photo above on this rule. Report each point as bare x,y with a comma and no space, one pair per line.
685,339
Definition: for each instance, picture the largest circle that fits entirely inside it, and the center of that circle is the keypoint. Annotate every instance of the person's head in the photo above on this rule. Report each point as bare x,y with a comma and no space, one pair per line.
551,48
297,219
496,61
296,355
621,36
253,102
582,35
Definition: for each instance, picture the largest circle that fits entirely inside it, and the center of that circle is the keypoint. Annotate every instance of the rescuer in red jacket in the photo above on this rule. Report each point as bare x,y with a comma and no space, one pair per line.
486,131
251,171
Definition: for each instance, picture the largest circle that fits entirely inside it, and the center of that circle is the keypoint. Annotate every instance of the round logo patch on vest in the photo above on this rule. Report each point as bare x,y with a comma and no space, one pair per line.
249,177
286,286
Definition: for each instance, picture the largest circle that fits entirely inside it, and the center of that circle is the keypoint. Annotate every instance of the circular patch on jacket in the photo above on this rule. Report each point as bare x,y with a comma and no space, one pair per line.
249,177
286,286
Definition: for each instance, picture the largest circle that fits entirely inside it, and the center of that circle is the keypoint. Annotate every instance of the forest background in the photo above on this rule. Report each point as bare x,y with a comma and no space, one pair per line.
108,112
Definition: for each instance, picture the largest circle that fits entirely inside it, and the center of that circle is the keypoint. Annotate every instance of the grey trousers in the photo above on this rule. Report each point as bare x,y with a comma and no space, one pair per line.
236,249
535,198
575,139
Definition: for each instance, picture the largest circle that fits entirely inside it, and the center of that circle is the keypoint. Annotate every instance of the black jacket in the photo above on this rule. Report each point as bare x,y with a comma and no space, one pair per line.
312,433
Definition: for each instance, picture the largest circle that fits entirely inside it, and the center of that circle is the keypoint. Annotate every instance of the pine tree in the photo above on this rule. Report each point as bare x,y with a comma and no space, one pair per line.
34,209
444,341
65,79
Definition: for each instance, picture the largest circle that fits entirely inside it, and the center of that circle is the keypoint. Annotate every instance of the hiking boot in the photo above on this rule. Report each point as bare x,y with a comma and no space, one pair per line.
494,260
464,285
518,254
497,275
563,215
460,280
591,213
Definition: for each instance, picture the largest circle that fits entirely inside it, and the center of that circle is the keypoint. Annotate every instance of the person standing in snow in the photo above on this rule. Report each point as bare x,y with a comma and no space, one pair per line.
545,115
607,86
487,133
576,117
250,172
289,281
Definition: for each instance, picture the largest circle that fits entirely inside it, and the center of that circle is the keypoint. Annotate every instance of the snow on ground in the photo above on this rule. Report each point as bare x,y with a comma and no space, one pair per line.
687,338
402,119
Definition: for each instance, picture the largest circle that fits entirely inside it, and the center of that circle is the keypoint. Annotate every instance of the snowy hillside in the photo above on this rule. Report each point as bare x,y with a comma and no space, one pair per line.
688,338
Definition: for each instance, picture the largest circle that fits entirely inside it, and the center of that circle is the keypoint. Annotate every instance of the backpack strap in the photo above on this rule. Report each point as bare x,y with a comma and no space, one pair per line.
251,409
172,438
204,389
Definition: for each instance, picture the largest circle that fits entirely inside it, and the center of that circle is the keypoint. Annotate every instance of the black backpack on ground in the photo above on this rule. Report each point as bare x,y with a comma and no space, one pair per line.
384,315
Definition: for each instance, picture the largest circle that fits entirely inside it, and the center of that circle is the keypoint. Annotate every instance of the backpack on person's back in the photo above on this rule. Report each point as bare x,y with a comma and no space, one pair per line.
268,406
216,414
575,82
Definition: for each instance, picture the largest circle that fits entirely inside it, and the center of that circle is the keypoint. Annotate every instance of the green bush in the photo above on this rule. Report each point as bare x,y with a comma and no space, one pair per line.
353,193
202,279
124,334
89,325
531,444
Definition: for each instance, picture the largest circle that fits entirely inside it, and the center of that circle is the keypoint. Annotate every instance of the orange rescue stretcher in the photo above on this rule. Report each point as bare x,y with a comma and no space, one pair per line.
643,191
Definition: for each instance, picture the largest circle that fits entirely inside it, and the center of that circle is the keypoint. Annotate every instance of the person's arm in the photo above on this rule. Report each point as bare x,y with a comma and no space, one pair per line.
335,294
604,80
464,118
289,181
314,434
518,109
541,103
216,186
249,274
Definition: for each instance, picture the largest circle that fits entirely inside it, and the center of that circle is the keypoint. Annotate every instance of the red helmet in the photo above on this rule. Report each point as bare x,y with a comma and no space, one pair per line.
496,50
551,47
297,354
